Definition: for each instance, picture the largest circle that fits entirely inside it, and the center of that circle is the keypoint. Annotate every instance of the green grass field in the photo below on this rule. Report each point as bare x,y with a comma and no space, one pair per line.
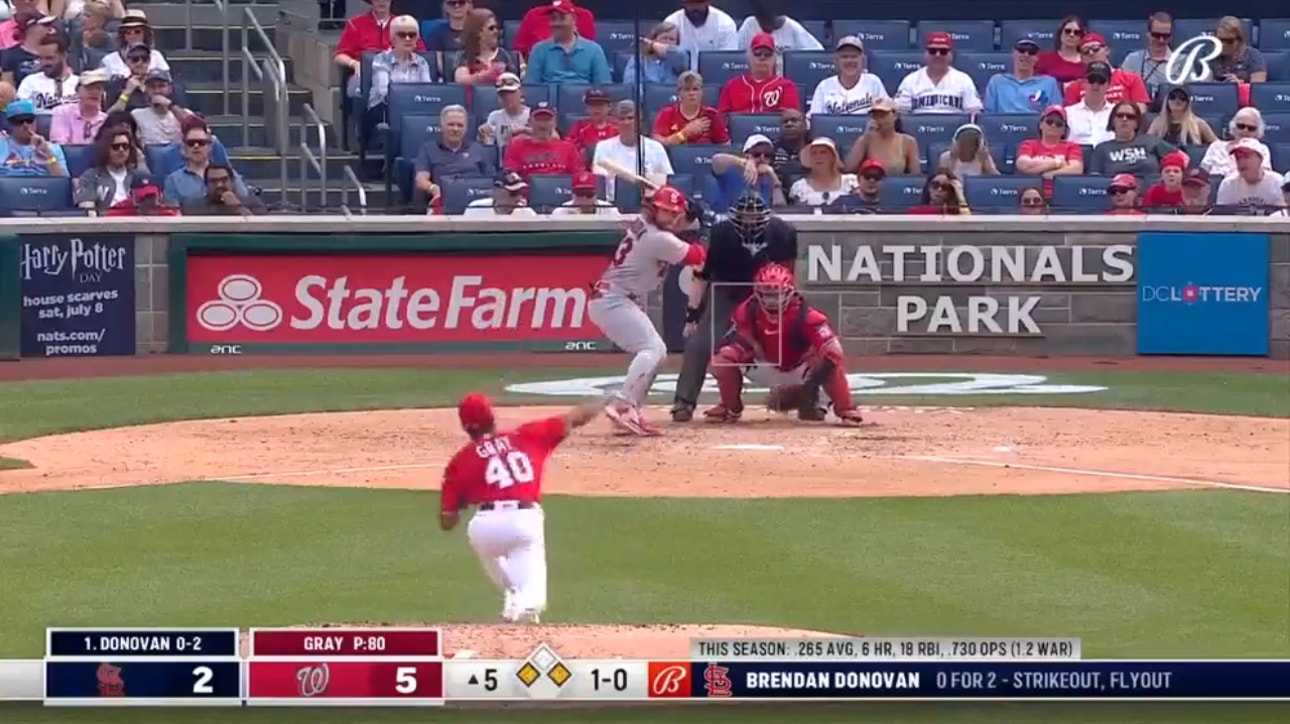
1170,574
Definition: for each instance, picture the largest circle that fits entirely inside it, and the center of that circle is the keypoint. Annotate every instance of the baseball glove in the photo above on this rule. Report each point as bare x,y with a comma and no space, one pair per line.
786,398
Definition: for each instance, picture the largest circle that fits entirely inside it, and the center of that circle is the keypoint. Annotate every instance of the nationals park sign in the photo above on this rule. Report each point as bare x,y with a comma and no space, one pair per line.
907,383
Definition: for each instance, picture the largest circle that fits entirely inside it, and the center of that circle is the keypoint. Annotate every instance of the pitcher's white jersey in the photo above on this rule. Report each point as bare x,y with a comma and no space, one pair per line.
956,93
642,259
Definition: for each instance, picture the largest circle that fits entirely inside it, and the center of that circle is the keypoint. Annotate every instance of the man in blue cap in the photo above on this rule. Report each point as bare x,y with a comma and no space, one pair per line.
24,152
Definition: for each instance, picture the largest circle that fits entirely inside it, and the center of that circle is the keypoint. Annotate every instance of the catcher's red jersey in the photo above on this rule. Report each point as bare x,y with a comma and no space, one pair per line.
787,338
505,466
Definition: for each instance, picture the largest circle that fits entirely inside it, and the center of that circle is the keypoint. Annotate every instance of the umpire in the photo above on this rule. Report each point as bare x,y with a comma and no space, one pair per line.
738,246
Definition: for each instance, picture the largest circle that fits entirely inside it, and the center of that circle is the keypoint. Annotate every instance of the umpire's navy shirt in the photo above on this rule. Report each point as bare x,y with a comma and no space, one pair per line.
732,260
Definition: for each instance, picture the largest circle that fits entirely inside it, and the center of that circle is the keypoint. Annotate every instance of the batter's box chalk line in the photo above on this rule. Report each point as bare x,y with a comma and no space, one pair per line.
1164,479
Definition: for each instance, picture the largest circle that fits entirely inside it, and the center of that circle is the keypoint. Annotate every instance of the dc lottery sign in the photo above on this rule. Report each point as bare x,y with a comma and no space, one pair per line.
1192,62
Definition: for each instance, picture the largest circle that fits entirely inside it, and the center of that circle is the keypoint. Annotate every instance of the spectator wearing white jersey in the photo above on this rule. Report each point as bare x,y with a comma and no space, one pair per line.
938,87
55,84
853,90
703,27
1250,185
767,18
623,148
1089,120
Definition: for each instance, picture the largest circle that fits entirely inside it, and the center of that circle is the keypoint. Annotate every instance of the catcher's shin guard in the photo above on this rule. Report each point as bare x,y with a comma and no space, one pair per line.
726,368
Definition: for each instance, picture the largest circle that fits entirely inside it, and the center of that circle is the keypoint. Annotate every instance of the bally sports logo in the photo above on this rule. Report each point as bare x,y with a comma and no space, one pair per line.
389,298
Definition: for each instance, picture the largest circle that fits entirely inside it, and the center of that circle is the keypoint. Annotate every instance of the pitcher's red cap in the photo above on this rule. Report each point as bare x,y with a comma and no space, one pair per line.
475,411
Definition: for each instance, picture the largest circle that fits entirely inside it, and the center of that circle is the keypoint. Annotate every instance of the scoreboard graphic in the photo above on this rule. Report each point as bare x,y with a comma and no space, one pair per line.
361,667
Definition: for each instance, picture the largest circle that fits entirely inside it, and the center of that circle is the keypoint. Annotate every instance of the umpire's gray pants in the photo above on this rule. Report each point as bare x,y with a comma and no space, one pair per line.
699,348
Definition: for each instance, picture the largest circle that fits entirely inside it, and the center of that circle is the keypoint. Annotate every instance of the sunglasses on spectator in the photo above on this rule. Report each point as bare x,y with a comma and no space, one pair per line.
1178,96
1091,49
406,35
940,185
871,176
1119,190
1162,36
138,58
120,147
938,51
22,120
197,142
759,155
1054,122
1126,116
1077,32
1227,41
1032,201
1246,127
455,3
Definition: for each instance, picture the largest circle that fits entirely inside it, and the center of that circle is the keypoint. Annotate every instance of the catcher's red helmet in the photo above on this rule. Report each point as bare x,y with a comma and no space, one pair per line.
773,285
670,199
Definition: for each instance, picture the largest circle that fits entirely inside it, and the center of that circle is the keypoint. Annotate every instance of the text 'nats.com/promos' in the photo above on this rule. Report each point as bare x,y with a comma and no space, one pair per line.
239,302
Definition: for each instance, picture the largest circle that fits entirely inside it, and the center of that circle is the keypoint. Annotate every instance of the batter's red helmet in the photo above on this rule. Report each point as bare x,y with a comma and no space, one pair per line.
670,199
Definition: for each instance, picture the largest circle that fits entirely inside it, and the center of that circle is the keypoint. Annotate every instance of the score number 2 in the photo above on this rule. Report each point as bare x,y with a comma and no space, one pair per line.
203,683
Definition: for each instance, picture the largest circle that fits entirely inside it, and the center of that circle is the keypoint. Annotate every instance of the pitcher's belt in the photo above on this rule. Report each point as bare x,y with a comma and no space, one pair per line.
508,505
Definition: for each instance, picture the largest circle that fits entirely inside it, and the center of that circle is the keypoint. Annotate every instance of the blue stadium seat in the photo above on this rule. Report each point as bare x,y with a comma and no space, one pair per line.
548,192
509,27
617,36
1280,157
902,191
658,96
457,192
412,132
1215,99
35,193
743,125
1008,128
933,127
719,66
969,35
1276,128
1123,36
1194,155
1274,34
994,193
694,158
1041,31
931,154
688,184
485,98
1270,97
1278,66
876,34
568,96
819,29
807,68
981,66
79,158
43,123
627,195
407,99
1005,157
1086,155
1079,193
891,66
844,130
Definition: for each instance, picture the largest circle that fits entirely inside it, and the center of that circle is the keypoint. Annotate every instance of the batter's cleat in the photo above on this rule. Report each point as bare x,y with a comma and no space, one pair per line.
626,417
813,414
682,414
850,417
722,414
648,430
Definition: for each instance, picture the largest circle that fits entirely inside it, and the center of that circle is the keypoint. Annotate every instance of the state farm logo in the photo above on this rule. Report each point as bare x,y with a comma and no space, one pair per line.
239,303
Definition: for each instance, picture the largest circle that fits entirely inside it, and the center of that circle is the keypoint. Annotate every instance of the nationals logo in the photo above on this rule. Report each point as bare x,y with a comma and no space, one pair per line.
313,680
668,680
771,98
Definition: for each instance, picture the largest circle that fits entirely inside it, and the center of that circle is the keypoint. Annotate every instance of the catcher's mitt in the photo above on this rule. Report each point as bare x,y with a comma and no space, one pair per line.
786,398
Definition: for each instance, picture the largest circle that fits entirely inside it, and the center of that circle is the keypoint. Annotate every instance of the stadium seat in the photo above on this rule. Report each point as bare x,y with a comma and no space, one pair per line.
35,193
1215,99
549,191
743,125
719,66
1073,194
627,195
994,193
1276,128
891,66
43,123
876,34
969,35
1274,34
79,158
1194,154
658,96
807,68
819,29
1185,28
1280,157
931,128
1041,31
1123,36
982,66
693,158
568,96
1278,66
485,98
423,99
931,155
617,36
688,184
457,192
844,130
1008,128
902,191
1270,97
1005,157
412,132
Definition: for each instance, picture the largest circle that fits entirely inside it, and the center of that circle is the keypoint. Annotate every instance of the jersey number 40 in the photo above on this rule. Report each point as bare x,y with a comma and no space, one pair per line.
506,470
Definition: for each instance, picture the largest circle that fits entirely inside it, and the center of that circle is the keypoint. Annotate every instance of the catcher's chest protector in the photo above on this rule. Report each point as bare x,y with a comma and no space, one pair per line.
794,323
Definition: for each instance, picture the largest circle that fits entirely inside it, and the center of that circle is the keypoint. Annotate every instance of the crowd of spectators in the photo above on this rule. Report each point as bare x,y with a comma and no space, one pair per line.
843,116
87,96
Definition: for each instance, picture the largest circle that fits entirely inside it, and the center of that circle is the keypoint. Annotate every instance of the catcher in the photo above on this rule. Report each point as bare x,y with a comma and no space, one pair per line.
797,349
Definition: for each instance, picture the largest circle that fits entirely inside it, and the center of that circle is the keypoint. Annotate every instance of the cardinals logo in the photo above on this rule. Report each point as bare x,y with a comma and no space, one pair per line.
313,680
716,680
110,681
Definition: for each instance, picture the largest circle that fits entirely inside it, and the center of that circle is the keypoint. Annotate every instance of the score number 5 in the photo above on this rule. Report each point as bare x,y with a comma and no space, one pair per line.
405,679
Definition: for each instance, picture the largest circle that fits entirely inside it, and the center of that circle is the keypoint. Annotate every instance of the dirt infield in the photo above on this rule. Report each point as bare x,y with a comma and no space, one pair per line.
67,368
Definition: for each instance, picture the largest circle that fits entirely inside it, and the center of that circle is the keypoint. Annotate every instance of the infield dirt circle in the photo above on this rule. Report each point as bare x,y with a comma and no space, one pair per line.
906,451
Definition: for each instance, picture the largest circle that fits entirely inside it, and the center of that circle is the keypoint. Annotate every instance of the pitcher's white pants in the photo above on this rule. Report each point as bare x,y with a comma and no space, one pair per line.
628,326
511,545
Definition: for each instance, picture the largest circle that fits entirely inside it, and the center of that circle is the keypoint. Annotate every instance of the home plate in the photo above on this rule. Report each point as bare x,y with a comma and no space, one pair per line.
748,446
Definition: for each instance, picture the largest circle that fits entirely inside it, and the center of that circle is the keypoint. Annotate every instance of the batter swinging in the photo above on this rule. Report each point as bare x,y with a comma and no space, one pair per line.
648,248
797,350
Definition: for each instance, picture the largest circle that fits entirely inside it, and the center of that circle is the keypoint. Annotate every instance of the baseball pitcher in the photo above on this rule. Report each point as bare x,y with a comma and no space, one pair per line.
780,341
649,246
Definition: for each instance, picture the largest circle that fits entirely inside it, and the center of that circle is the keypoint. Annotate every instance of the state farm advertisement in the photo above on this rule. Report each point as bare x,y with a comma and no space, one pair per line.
390,298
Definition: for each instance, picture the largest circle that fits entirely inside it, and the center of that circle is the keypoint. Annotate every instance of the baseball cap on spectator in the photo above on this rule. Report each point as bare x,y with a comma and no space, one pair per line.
1123,181
509,180
596,95
142,186
1025,43
1177,159
939,39
1054,110
872,167
93,77
755,140
27,18
508,82
849,41
157,75
762,41
885,105
1246,145
1092,39
19,109
1196,177
1098,70
584,181
139,48
563,7
543,108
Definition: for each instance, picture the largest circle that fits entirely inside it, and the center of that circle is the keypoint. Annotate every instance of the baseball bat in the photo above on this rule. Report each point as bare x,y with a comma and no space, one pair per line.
617,169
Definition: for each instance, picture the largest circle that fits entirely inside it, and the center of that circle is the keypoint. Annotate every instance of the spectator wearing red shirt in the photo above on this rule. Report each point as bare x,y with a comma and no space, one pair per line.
366,33
541,152
1051,154
535,26
760,90
688,120
144,200
1125,85
1168,191
1064,63
597,126
1124,195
